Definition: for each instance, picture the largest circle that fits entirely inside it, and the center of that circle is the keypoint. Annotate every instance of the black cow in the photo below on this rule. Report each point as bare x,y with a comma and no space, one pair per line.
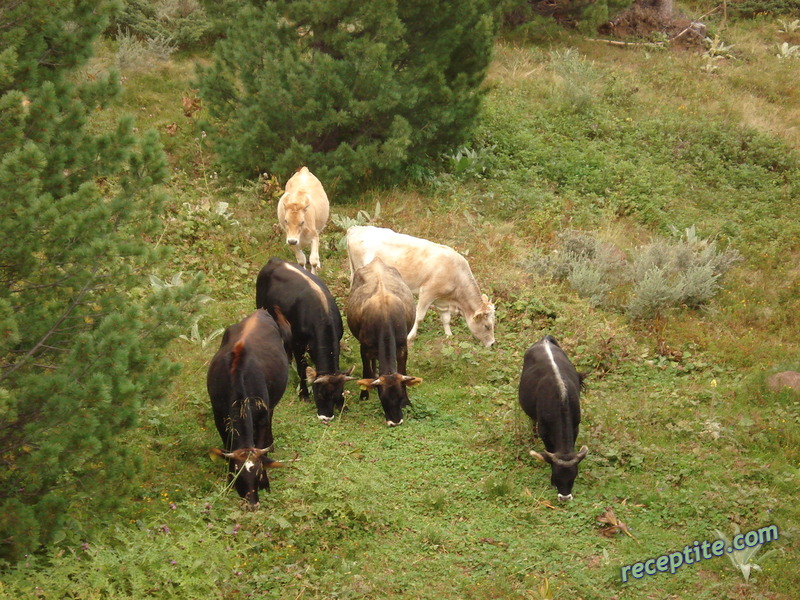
246,379
549,390
316,328
380,313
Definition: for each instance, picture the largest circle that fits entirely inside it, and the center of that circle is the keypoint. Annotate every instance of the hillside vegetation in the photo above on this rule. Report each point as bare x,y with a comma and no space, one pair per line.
624,146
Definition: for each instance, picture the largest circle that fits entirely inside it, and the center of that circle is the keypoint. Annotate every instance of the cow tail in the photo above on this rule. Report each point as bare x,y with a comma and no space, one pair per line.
284,327
237,356
241,401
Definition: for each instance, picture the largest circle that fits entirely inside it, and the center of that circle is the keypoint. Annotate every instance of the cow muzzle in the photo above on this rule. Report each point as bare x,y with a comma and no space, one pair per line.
325,420
566,498
292,241
394,424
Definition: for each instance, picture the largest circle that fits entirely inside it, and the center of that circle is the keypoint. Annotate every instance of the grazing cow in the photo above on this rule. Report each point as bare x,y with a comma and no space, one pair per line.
302,214
380,312
316,328
439,274
549,392
246,379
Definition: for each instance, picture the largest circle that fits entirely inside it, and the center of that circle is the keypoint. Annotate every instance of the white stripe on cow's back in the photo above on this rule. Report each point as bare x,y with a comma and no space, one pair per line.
562,387
318,290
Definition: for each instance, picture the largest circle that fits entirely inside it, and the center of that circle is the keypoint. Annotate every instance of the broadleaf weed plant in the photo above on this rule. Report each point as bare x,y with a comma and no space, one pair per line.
742,560
362,217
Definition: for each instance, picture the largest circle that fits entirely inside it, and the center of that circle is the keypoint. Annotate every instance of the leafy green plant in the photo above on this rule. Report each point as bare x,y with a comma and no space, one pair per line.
716,50
787,51
362,217
743,560
466,162
788,26
195,337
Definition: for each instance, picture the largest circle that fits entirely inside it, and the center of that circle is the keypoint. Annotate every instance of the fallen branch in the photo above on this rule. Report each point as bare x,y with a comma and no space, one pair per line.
618,43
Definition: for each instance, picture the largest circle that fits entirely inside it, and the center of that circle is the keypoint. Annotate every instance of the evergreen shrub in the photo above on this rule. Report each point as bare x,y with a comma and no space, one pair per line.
83,333
359,92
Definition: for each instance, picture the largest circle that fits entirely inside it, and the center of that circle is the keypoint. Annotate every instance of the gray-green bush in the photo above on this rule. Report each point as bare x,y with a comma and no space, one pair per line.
646,282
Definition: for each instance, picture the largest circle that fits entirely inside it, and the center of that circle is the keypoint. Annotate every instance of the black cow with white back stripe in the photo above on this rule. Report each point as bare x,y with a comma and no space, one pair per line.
549,393
316,323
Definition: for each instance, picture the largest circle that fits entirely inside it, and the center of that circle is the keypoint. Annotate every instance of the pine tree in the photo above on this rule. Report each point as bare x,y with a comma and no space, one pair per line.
358,91
81,337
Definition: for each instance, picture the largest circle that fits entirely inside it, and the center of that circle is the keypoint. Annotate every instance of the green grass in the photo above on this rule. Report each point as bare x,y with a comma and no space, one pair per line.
684,437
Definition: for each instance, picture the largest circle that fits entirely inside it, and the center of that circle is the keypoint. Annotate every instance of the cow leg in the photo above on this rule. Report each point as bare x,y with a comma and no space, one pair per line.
402,358
547,441
264,439
367,370
444,315
302,365
423,304
313,255
222,427
299,257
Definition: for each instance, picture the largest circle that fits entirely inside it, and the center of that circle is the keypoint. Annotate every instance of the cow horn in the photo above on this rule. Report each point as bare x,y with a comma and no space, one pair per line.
545,456
582,453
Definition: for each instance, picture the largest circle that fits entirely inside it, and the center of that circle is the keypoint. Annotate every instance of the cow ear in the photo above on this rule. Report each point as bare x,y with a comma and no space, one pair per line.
366,384
582,379
215,454
311,375
408,380
271,464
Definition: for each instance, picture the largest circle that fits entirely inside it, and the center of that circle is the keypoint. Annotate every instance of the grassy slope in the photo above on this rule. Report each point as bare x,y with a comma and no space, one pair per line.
449,505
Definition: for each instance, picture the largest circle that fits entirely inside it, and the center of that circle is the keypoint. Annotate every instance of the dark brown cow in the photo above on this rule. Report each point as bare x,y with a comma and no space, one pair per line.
246,379
380,313
549,391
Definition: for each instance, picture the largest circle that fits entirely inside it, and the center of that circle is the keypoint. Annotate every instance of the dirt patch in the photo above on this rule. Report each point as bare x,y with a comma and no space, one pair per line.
647,23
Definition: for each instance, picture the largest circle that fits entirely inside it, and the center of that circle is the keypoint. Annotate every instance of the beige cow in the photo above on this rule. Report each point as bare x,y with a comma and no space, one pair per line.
438,274
302,214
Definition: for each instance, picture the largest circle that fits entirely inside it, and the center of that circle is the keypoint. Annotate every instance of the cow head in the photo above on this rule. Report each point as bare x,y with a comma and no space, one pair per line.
564,470
393,394
295,217
481,322
248,468
328,391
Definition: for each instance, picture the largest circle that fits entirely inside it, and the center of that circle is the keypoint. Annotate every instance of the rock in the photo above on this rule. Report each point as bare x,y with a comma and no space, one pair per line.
778,381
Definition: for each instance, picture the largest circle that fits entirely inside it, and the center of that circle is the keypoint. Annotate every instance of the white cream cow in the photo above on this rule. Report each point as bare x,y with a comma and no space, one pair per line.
302,214
438,274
